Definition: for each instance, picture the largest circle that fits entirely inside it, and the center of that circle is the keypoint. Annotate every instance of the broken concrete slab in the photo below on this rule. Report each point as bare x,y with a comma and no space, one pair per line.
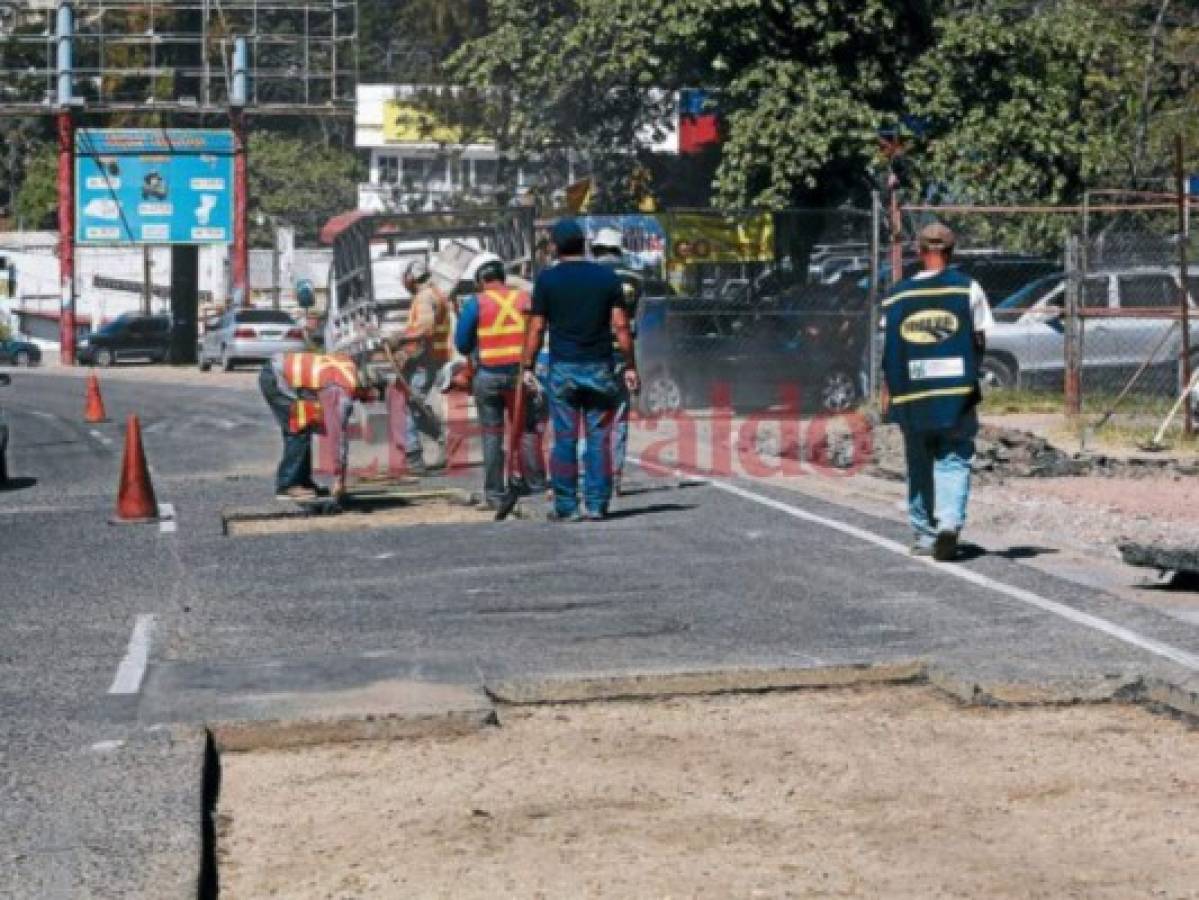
1160,557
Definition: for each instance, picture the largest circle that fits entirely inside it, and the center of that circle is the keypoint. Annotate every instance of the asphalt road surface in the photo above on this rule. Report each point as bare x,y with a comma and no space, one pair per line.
118,644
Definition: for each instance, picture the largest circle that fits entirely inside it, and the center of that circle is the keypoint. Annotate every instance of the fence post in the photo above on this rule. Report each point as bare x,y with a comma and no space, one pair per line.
1073,329
1183,281
876,221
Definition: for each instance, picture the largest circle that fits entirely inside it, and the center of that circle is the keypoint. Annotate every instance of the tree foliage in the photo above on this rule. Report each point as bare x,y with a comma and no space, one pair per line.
36,204
298,183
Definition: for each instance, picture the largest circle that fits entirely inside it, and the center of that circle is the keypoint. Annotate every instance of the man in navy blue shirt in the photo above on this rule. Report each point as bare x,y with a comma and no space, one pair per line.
582,304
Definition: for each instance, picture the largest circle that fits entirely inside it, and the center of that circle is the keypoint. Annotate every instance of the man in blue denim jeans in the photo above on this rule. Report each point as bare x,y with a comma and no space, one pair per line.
582,304
935,322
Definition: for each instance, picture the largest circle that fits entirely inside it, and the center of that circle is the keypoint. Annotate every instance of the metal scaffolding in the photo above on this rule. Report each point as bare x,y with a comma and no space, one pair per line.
176,55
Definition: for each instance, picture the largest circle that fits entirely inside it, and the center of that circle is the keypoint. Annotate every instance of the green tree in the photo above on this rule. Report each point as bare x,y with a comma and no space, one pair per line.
298,183
36,203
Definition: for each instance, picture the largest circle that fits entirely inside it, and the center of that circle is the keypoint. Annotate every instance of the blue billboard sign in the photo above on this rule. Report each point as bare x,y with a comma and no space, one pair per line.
153,186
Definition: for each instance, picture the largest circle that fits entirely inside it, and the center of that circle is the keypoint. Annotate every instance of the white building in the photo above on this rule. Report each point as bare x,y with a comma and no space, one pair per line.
420,163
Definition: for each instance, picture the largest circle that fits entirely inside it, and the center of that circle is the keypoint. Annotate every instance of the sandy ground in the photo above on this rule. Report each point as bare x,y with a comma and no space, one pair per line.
425,513
891,792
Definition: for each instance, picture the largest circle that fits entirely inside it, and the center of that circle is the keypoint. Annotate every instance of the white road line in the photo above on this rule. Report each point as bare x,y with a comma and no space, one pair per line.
1119,632
41,414
102,438
166,517
132,669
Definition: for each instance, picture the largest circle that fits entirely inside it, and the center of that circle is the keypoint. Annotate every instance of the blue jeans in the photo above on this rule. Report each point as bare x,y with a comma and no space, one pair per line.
939,477
295,468
494,394
584,394
420,377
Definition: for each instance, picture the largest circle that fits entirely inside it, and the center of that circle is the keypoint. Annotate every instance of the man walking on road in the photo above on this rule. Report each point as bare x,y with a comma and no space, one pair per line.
492,328
935,322
581,303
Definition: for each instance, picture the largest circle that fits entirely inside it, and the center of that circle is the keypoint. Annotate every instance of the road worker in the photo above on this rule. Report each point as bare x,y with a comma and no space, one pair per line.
936,324
425,348
491,329
580,303
292,385
607,249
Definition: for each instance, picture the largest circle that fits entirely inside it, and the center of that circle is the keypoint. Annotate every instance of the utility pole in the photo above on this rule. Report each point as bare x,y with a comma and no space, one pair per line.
238,97
65,28
147,288
1184,305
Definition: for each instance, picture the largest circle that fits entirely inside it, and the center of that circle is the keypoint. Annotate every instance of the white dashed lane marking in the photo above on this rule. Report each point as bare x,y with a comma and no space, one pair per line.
132,669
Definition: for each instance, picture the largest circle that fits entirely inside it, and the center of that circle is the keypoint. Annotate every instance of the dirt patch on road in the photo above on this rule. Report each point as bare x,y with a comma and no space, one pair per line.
425,512
871,792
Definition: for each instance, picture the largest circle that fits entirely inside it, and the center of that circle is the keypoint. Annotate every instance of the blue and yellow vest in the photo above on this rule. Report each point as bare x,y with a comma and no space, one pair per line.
929,357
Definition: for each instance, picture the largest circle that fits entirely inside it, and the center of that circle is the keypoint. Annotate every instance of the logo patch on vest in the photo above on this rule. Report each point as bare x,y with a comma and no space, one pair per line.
920,369
930,326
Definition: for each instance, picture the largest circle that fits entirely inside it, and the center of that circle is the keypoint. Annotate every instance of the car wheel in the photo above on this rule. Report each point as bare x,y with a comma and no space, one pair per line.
226,360
104,358
661,394
21,358
838,391
996,374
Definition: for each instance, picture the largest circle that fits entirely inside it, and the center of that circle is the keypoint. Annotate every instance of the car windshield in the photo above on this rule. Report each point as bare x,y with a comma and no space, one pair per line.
1028,296
114,326
264,317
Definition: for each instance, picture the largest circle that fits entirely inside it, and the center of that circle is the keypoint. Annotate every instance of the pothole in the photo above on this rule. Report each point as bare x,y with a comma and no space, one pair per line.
870,791
391,510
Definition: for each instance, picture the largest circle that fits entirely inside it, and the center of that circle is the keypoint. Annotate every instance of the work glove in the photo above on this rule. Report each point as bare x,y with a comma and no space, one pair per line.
532,385
632,380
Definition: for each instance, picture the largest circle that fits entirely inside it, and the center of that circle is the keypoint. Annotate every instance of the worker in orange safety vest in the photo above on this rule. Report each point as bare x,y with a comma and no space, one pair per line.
292,384
424,348
491,329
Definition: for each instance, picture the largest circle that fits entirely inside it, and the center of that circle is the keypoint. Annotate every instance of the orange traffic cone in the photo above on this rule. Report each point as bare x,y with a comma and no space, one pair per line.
94,410
135,499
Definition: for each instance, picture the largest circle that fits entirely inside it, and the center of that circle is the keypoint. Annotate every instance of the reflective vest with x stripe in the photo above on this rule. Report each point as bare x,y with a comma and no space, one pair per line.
501,328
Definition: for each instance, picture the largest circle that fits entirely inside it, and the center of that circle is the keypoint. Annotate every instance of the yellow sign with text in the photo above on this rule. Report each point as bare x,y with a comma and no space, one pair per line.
705,238
407,122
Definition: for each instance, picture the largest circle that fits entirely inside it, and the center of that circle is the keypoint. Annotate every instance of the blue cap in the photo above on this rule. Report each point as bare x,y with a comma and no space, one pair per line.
567,232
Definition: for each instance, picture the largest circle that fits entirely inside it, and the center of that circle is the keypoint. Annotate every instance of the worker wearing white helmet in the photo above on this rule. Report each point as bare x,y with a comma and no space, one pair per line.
425,347
491,330
607,248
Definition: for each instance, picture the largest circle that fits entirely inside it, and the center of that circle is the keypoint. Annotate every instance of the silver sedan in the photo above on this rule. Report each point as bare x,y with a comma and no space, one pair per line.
247,336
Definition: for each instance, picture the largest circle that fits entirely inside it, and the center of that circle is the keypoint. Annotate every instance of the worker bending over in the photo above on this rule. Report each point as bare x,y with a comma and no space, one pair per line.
936,322
292,385
491,328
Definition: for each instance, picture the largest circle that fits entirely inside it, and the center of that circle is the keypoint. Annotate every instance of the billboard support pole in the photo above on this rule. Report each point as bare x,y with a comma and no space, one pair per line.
241,240
65,29
238,98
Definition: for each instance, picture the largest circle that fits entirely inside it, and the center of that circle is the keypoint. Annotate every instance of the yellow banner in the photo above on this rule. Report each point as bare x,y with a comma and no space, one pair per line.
707,238
407,122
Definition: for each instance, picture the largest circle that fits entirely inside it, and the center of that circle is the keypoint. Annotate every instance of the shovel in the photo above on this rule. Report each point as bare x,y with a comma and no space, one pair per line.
516,478
1156,445
416,404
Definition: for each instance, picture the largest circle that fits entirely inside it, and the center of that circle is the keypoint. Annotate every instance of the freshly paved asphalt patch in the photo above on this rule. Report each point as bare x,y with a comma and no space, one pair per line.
99,789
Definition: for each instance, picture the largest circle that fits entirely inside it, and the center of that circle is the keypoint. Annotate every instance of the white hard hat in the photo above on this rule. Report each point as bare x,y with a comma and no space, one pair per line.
610,238
418,270
472,270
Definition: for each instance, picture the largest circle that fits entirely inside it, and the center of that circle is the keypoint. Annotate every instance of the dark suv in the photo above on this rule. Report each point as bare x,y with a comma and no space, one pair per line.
127,337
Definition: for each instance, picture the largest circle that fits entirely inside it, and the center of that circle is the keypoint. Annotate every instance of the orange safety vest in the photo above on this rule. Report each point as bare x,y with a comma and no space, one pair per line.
441,341
501,326
315,372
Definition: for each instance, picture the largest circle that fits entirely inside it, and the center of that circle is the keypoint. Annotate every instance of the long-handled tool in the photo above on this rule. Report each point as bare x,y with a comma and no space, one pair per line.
516,478
416,404
1156,444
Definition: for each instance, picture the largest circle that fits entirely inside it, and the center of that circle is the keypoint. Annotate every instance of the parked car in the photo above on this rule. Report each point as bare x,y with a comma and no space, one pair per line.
18,352
809,338
248,335
5,380
1027,344
126,338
